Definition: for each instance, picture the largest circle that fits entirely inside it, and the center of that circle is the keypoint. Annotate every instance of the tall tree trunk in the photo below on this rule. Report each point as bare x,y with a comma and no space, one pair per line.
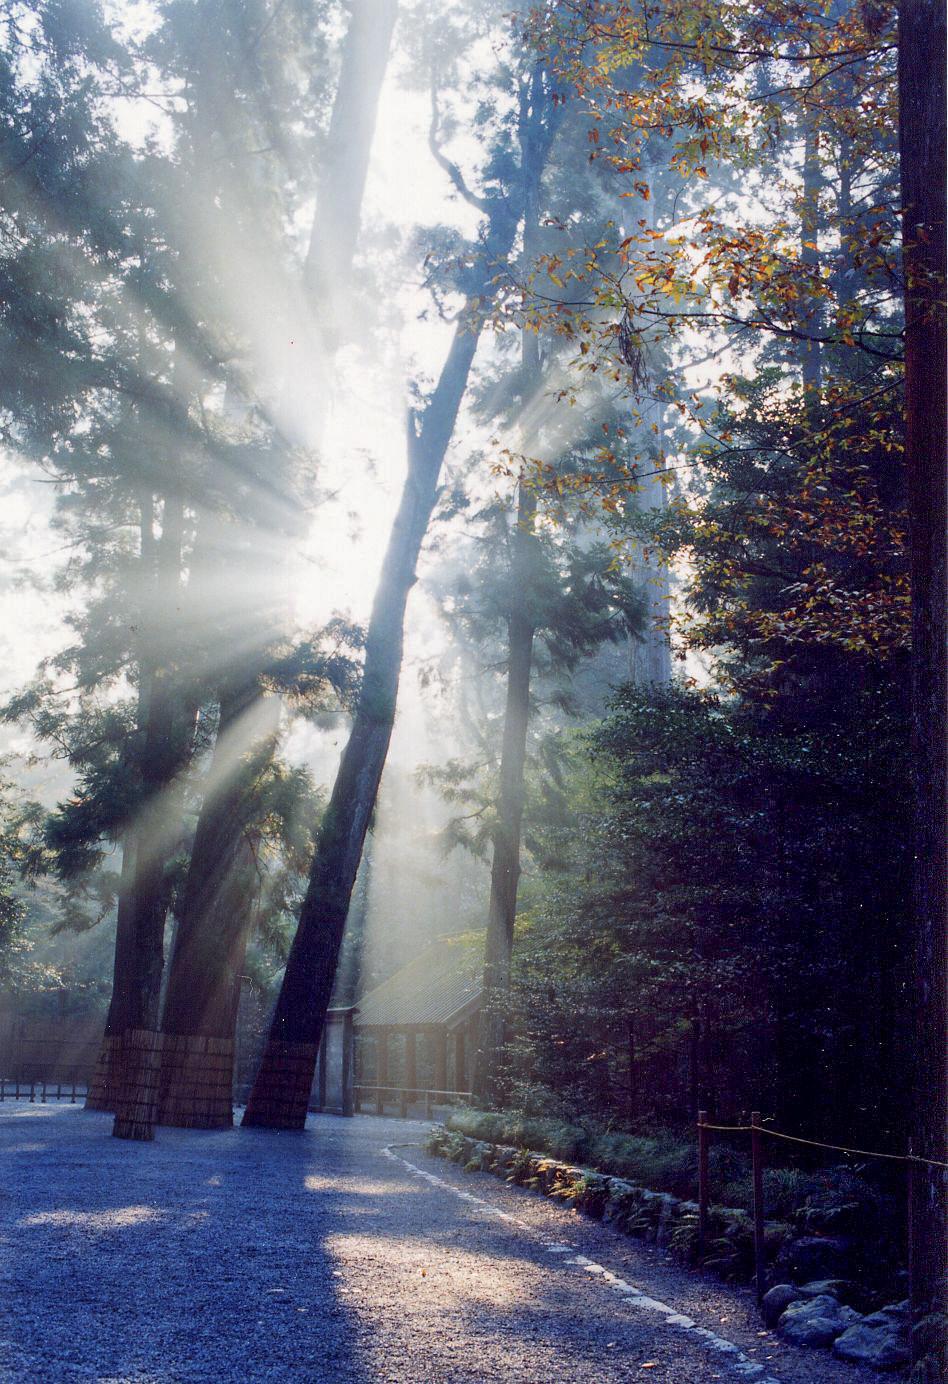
811,352
164,736
215,918
328,270
922,144
101,1095
650,650
505,862
197,1056
280,1094
166,740
521,629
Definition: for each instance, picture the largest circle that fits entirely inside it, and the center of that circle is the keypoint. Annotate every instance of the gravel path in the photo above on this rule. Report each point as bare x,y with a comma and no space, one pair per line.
251,1255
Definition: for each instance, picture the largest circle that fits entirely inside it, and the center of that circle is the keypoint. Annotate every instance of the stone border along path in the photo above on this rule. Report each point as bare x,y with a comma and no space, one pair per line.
738,1363
342,1256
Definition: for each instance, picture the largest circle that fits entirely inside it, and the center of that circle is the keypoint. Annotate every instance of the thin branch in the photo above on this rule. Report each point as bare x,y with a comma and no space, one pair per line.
442,160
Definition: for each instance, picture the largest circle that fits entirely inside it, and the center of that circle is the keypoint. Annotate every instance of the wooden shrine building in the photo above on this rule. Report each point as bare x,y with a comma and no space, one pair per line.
415,1033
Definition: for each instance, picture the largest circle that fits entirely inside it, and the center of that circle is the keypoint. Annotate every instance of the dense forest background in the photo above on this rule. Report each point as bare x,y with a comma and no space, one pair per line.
653,737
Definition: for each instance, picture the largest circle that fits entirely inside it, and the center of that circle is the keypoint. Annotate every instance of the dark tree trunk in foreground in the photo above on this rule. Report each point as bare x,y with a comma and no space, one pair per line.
213,928
101,1096
281,1090
200,1011
165,733
922,141
536,132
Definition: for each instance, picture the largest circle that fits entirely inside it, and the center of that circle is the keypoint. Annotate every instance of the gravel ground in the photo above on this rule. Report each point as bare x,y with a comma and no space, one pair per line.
251,1255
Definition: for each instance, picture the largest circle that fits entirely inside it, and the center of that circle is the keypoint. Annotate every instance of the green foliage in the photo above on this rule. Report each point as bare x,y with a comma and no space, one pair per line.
706,914
661,1161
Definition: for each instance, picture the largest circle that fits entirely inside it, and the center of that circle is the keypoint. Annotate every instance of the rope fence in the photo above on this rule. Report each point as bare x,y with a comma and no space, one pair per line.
816,1144
757,1130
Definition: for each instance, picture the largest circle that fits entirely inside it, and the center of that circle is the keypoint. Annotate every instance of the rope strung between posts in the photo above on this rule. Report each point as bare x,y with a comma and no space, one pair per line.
815,1143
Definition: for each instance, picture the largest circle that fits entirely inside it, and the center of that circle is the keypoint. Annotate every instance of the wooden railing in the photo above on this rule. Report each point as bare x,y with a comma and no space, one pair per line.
405,1097
42,1091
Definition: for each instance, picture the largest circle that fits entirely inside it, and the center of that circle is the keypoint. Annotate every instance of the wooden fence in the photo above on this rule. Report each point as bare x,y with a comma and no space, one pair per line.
58,1053
404,1098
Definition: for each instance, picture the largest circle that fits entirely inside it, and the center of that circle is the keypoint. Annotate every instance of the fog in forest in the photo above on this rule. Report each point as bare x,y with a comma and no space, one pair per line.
469,604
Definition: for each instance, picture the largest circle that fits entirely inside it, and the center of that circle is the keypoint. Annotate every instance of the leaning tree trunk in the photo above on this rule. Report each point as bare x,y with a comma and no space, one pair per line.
922,143
280,1094
200,1018
197,1057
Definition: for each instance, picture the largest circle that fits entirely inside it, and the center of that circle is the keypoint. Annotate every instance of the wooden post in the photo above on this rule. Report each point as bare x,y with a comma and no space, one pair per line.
757,1162
403,1085
460,1065
381,1069
702,1182
321,1071
440,1040
909,1219
411,1063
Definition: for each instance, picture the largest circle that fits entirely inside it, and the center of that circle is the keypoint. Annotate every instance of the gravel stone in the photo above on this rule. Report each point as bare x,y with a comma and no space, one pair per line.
246,1255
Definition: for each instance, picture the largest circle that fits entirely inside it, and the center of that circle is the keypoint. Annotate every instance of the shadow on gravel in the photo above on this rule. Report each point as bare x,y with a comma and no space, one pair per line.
249,1255
193,1258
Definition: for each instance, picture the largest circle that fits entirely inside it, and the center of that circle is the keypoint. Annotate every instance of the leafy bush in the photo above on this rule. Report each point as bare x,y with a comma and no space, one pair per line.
661,1160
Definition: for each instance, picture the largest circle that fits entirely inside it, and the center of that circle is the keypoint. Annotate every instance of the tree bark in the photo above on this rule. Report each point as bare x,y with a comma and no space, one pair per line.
280,1093
167,733
505,862
811,352
215,920
328,268
650,651
164,734
101,1095
521,629
922,145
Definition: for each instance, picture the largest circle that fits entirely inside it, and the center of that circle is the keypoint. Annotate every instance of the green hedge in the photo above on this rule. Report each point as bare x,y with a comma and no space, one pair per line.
662,1160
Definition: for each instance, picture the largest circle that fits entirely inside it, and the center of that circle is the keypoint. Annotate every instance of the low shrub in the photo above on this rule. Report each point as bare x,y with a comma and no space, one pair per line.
645,1185
661,1160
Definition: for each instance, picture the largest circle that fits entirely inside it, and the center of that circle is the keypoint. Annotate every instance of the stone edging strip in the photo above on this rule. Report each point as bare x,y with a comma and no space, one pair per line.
732,1356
